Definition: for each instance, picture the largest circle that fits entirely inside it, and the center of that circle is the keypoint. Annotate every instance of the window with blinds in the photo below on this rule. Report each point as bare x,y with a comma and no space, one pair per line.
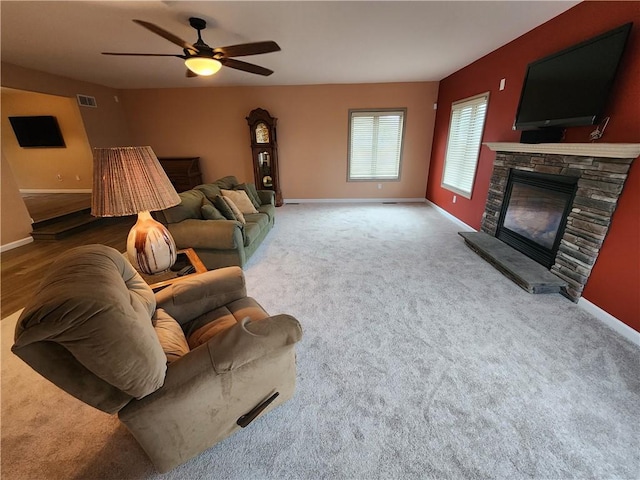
375,144
463,145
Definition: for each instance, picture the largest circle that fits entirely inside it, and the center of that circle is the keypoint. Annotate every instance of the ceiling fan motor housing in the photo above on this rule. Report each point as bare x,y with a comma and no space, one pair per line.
197,23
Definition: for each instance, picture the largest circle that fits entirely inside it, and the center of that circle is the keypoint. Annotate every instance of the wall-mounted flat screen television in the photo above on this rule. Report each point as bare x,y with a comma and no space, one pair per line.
571,87
37,131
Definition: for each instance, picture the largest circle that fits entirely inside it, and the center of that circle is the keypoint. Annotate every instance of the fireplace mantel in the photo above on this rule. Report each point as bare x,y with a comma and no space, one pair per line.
603,150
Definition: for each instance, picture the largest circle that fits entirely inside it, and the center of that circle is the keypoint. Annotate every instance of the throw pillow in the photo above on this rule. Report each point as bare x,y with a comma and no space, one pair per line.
227,182
209,190
250,188
224,208
209,212
170,335
189,207
241,200
236,211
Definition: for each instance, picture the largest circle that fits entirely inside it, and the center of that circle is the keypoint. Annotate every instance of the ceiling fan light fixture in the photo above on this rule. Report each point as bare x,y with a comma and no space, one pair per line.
202,65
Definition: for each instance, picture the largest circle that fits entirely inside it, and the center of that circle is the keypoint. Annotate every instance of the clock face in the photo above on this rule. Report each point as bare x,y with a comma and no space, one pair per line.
262,133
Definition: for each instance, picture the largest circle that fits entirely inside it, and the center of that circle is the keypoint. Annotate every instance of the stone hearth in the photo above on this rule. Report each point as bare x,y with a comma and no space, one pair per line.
601,170
525,272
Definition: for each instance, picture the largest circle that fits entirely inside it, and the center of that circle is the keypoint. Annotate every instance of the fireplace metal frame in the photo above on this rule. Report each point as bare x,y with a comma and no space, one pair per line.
557,183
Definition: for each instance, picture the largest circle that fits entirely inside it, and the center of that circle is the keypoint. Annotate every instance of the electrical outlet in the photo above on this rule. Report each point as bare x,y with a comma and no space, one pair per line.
455,197
502,83
379,186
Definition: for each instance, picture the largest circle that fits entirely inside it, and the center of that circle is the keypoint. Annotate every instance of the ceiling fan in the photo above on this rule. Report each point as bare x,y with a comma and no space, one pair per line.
201,59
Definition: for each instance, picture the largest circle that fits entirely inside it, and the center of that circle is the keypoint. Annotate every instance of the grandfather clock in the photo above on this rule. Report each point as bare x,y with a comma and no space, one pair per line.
264,149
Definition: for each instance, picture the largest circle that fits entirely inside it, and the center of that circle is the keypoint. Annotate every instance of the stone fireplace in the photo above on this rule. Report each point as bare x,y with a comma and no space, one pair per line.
595,175
534,212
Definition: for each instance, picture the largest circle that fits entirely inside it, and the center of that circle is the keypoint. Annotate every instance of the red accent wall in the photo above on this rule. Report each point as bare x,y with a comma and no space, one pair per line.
614,284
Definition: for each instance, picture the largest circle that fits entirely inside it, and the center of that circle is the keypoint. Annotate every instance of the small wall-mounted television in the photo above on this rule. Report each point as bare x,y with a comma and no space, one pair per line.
37,131
571,87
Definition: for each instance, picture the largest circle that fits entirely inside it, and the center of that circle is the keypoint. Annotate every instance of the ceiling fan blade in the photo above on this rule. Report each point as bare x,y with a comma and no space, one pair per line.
166,35
190,74
246,67
248,49
145,54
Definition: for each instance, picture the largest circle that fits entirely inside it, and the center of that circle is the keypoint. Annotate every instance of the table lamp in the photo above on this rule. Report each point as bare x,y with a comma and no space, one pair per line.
130,181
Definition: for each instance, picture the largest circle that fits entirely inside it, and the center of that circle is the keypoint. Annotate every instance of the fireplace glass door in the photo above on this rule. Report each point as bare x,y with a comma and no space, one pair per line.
534,213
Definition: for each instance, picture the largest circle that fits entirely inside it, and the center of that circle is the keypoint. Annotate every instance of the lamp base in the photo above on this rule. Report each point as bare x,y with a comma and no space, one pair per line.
150,247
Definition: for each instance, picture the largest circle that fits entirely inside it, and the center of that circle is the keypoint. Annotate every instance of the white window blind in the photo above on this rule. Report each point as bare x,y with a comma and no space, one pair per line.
375,144
463,144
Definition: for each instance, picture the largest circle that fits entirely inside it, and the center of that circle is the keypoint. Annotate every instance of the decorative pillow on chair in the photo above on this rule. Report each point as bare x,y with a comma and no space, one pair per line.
236,211
240,199
170,335
224,208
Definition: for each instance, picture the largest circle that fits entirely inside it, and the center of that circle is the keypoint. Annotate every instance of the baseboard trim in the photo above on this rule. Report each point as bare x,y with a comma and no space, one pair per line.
354,200
56,190
610,321
605,317
454,219
16,244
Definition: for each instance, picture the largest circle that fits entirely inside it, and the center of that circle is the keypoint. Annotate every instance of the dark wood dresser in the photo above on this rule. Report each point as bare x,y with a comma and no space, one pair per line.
184,172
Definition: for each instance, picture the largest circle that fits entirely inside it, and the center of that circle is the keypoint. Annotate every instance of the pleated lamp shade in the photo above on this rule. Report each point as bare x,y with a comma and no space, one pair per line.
130,181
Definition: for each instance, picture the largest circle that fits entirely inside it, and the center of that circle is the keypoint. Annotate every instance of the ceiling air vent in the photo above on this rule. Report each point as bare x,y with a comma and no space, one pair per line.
87,101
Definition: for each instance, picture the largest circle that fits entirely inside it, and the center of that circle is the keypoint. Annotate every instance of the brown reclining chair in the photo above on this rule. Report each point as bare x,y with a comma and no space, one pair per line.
183,368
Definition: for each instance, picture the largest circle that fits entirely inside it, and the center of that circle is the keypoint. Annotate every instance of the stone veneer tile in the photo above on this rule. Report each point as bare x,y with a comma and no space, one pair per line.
600,183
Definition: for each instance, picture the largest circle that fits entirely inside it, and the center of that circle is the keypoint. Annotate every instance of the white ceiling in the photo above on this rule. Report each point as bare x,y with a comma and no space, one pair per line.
322,42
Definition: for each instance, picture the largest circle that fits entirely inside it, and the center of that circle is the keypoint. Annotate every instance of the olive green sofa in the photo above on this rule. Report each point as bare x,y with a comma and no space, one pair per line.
219,242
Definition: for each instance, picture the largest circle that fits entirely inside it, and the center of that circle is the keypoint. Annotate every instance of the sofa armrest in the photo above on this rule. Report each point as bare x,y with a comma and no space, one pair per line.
267,197
190,298
247,341
208,234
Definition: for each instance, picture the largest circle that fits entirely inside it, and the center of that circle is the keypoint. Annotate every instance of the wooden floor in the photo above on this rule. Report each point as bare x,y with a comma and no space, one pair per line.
22,267
44,206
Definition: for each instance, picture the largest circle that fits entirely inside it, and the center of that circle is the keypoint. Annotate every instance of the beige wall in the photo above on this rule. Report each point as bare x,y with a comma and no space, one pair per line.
210,123
15,220
70,167
105,126
312,132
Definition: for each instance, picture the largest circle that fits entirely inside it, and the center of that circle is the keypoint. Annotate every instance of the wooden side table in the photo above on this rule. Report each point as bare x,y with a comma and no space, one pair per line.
186,257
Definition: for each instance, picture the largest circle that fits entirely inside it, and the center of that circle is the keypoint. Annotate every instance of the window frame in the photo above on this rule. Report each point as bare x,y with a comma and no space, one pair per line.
376,112
456,189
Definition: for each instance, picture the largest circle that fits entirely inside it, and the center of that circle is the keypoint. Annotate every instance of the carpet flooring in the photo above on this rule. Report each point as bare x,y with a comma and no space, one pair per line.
418,360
